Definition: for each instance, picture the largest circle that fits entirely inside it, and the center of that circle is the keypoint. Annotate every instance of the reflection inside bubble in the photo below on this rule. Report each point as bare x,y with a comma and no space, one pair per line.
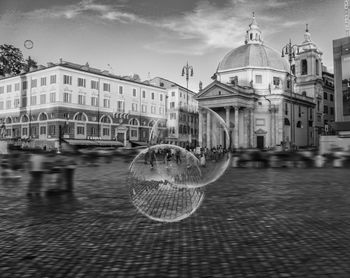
163,201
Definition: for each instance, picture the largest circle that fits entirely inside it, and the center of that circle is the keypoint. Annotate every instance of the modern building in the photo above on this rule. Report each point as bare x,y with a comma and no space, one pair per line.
80,102
328,102
255,92
341,55
182,113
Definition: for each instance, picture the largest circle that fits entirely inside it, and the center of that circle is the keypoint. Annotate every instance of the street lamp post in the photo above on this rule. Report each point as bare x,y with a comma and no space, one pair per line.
187,71
291,51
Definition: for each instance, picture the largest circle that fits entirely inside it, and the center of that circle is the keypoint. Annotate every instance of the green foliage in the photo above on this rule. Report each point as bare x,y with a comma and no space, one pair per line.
11,59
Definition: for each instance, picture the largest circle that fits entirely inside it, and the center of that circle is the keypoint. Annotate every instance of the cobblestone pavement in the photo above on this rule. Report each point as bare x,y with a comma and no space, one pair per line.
252,223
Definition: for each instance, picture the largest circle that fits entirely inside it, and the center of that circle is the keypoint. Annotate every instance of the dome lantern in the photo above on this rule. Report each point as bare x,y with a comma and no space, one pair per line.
253,35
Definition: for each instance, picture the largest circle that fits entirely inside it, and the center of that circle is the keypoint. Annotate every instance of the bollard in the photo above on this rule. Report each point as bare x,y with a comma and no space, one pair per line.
69,178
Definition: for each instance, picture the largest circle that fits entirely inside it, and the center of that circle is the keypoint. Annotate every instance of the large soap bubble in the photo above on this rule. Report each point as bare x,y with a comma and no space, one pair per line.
163,201
167,181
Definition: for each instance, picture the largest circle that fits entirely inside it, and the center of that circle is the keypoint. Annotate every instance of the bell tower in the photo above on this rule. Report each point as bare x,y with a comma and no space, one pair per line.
308,73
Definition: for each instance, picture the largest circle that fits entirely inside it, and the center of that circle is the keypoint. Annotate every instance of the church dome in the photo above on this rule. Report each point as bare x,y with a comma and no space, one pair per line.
253,55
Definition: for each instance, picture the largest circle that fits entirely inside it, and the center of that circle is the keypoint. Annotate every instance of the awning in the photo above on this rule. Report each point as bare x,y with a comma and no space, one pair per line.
139,143
81,142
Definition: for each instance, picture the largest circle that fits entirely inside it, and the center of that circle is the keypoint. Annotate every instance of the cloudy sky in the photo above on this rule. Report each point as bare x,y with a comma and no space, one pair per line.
157,37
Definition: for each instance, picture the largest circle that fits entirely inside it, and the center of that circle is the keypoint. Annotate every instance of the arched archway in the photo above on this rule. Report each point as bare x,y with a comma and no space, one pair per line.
134,129
106,127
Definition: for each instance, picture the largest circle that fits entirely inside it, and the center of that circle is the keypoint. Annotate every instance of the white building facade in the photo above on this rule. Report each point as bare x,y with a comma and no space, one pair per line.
83,102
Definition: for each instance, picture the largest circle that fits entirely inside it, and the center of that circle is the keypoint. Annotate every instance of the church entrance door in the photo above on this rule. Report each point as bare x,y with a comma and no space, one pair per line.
260,142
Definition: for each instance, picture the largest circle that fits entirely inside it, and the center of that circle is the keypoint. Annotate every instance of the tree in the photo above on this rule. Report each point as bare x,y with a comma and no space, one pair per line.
11,59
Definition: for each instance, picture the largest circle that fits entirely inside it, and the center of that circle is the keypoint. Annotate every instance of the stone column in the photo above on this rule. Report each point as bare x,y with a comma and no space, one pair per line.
251,127
200,128
246,127
208,130
227,121
235,140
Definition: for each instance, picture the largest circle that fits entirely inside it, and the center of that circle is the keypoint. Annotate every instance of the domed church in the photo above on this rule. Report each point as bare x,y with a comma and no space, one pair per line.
252,92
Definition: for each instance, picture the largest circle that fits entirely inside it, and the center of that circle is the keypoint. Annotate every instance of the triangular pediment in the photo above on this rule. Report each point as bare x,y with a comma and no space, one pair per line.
260,131
217,89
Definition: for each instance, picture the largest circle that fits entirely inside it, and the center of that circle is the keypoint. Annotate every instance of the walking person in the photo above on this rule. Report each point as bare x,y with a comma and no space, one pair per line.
36,170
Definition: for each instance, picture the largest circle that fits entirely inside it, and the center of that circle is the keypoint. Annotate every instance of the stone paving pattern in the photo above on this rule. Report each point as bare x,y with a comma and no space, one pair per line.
252,223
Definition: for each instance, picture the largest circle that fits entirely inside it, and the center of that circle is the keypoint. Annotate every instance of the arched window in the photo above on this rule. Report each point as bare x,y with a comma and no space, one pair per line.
80,117
43,117
105,120
317,67
25,119
134,122
303,67
303,93
251,36
299,124
286,121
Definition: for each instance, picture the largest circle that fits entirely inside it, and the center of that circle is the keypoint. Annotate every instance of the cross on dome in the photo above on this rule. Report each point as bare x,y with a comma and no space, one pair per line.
307,35
253,35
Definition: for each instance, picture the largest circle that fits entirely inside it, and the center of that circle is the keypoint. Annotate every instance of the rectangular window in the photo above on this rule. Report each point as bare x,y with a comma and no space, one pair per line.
81,99
24,131
286,108
153,109
16,103
106,103
94,85
52,130
8,104
134,92
325,109
24,85
120,106
42,99
299,111
105,131
1,89
160,110
276,81
94,101
33,131
33,100
34,83
133,133
43,81
325,96
24,101
67,97
52,79
318,106
42,130
16,87
134,107
144,108
80,130
81,82
9,88
172,104
161,97
53,97
1,105
143,94
332,110
67,79
120,90
331,97
106,87
258,79
311,114
152,95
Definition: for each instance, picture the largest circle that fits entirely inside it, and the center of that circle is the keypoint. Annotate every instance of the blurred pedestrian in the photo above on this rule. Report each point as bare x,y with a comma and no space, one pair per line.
36,170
